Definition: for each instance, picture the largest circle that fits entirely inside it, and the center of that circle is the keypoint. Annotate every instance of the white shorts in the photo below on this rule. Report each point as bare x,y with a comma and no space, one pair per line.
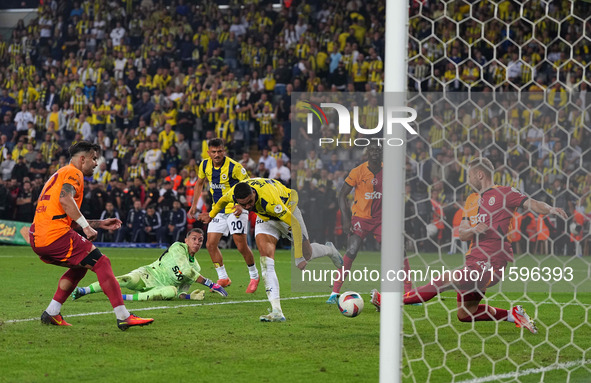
229,224
280,229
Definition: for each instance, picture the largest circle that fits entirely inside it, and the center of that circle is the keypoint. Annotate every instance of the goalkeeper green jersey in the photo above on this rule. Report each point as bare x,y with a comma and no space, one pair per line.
175,267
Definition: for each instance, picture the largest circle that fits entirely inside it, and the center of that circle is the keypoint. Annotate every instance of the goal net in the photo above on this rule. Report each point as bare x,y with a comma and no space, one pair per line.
505,80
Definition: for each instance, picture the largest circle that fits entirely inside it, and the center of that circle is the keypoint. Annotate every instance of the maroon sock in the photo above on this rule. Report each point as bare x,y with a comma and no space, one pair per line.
407,281
482,314
72,275
107,280
348,262
423,293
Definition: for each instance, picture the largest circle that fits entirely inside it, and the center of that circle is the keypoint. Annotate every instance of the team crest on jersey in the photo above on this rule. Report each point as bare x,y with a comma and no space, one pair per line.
491,201
224,176
374,181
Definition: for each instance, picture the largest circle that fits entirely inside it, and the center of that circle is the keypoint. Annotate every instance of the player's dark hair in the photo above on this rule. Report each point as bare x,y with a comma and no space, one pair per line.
216,143
242,190
84,147
483,164
195,230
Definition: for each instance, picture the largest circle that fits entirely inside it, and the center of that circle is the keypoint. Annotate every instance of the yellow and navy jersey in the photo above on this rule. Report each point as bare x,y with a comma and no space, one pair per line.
166,140
224,129
273,199
222,179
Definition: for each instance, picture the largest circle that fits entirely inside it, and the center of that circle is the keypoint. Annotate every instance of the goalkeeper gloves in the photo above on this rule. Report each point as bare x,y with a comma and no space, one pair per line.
214,287
197,295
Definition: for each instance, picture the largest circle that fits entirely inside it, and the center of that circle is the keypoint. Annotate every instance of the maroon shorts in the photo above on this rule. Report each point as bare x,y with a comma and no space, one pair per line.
362,227
67,251
489,278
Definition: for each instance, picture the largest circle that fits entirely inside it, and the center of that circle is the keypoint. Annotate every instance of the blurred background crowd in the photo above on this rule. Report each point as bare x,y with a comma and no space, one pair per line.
152,81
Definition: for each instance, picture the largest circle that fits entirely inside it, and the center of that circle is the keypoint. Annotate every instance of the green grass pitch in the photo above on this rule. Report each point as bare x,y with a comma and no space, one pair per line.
221,338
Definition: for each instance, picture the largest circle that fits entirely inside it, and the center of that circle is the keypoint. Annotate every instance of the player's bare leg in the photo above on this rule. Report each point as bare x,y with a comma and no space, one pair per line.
266,245
213,240
311,251
242,245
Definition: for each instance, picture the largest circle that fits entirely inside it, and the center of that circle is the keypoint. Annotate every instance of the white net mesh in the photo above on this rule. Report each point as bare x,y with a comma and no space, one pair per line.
511,81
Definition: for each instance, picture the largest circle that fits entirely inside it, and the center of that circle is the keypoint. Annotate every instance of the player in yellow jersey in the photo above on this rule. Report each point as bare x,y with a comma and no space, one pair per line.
222,173
278,216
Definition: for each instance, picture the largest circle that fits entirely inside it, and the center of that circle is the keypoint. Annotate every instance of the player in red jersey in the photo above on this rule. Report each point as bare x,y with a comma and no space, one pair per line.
490,248
364,218
55,242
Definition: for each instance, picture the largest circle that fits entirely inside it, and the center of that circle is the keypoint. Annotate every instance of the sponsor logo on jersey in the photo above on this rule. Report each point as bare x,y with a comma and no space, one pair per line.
216,186
177,273
479,218
373,195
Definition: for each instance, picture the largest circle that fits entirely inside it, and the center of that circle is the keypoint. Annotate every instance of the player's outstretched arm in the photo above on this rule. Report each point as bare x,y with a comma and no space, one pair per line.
296,232
106,224
71,208
543,208
197,193
221,204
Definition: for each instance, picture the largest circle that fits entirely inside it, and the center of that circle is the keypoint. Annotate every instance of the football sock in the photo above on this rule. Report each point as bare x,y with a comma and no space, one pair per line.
423,293
510,317
121,312
155,294
54,307
92,288
108,282
319,250
254,273
348,262
69,281
483,313
271,282
221,270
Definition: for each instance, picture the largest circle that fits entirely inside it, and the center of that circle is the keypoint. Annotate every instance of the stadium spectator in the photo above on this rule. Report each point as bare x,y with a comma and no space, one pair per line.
134,224
152,225
175,224
281,172
109,235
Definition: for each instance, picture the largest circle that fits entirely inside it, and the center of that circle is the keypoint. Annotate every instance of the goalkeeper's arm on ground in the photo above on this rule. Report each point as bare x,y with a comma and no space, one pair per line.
214,287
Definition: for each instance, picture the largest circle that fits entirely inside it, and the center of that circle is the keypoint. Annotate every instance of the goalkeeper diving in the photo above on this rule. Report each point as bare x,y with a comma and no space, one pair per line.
170,276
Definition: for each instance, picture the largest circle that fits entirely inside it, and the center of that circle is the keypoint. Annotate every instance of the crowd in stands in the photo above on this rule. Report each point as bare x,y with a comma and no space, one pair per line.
152,81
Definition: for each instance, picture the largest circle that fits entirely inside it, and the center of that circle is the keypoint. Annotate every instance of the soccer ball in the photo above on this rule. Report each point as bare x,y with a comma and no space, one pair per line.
432,230
350,304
